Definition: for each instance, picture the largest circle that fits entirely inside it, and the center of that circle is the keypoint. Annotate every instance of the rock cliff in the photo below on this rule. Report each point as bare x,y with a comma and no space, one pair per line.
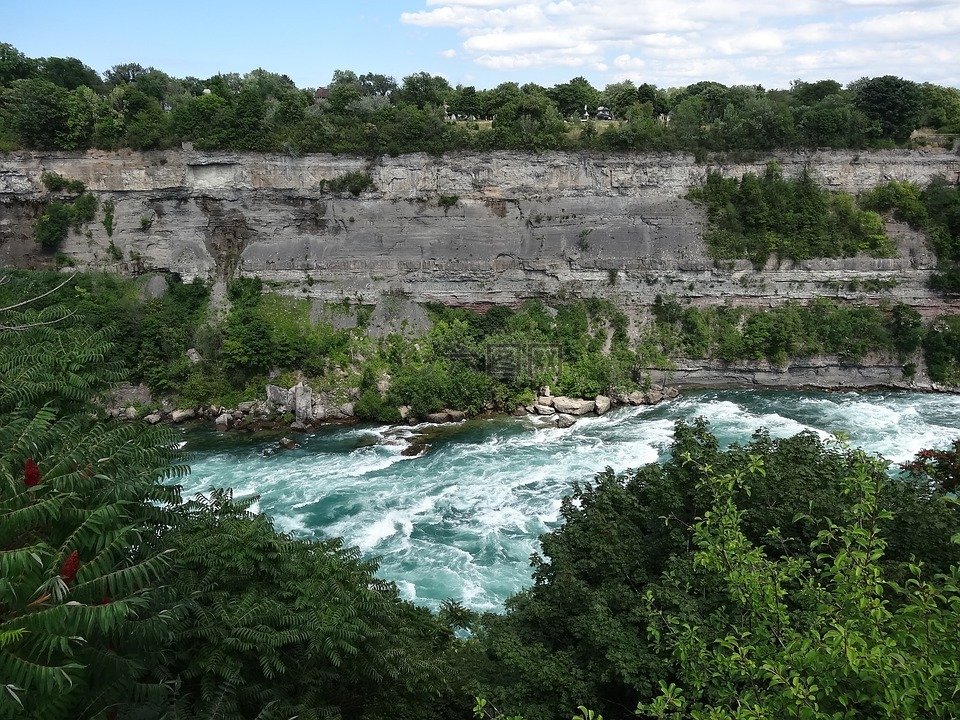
468,229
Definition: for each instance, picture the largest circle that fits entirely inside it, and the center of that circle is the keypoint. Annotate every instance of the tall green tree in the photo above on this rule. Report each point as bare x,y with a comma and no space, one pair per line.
82,510
896,104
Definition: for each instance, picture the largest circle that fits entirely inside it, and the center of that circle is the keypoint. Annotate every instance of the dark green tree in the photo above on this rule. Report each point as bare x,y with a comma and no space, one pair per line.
579,636
895,103
82,509
289,627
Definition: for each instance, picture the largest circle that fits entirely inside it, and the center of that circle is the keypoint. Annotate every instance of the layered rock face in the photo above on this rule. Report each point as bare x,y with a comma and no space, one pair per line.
466,229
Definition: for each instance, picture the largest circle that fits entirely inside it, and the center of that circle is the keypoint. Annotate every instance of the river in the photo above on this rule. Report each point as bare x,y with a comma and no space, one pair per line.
462,520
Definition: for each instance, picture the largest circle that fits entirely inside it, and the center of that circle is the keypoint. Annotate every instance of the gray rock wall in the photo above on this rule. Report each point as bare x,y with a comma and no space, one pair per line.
522,226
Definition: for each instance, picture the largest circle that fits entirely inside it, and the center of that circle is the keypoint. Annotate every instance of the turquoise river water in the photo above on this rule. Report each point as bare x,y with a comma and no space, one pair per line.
462,520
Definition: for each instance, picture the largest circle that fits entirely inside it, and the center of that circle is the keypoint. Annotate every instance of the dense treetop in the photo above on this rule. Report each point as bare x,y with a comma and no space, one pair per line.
61,103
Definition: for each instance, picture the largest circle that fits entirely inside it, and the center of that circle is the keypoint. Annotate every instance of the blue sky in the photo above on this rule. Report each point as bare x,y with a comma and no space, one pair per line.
485,42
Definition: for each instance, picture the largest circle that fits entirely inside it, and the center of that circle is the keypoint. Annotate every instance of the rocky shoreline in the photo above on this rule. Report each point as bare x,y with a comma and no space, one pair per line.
300,409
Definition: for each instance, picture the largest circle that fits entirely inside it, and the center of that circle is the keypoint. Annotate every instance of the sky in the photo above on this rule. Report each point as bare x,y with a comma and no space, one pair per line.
668,43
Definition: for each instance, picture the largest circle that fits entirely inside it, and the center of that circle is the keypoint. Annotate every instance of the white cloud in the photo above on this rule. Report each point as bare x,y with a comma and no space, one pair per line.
681,41
449,53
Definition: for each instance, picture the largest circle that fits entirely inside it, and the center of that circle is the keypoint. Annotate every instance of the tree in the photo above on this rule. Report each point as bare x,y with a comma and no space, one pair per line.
572,97
895,103
14,65
82,508
378,85
37,112
69,73
423,89
580,634
123,74
290,627
807,93
819,638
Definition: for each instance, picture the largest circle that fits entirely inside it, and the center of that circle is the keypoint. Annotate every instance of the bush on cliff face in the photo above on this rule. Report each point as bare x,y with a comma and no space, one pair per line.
934,209
754,217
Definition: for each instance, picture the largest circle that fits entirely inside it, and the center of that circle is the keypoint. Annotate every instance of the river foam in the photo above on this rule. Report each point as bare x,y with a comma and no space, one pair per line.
462,520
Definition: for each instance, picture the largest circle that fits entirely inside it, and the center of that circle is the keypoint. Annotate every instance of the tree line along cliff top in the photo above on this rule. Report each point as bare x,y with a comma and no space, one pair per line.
61,103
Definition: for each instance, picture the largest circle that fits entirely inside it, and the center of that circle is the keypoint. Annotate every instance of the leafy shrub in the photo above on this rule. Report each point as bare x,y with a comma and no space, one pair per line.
754,217
51,229
354,182
108,208
54,183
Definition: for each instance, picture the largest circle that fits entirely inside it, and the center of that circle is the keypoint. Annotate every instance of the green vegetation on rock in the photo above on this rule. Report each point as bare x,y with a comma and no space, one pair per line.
934,209
755,217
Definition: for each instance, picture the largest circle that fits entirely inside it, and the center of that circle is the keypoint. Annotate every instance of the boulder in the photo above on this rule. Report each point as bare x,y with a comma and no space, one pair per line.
301,402
670,393
246,407
545,400
519,411
545,392
153,418
602,404
438,417
456,415
277,397
347,409
573,406
544,410
636,398
565,421
297,425
287,444
179,416
224,421
404,411
193,355
653,396
130,413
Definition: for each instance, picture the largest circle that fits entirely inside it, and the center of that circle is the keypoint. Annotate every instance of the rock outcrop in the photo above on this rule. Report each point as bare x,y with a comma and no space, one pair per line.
522,226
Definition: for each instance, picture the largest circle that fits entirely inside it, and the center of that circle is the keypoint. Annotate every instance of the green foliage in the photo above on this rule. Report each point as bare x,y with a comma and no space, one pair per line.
51,229
895,104
448,201
108,208
786,331
61,103
756,216
819,637
292,627
935,210
595,628
941,349
352,182
54,183
77,635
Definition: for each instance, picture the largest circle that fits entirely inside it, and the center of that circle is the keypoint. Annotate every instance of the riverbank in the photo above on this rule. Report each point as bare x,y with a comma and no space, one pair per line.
302,409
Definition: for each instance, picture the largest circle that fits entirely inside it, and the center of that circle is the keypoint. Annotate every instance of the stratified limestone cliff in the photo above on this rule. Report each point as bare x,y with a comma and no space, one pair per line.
468,229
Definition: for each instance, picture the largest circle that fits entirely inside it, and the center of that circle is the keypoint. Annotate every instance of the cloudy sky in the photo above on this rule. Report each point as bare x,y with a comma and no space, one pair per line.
485,42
